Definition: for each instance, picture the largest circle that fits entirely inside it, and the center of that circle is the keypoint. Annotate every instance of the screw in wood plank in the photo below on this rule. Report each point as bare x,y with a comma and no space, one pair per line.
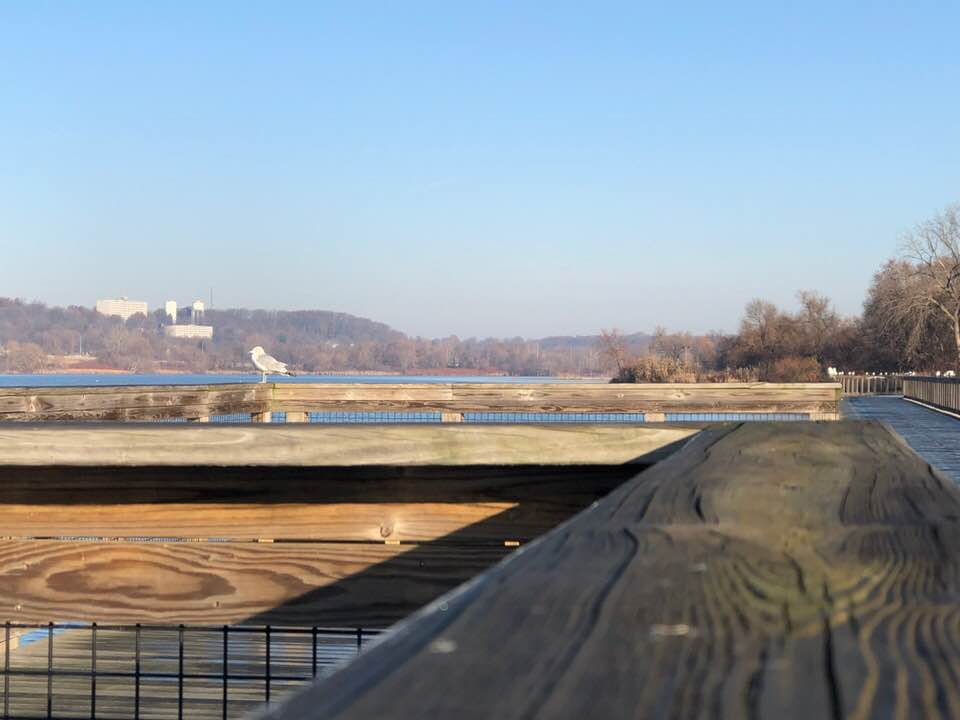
659,632
443,646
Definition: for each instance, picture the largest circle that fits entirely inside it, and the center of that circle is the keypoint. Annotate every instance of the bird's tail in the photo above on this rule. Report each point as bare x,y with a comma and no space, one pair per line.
289,374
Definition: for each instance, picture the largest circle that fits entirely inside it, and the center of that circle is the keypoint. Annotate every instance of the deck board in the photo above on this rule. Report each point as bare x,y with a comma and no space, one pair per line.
782,570
934,435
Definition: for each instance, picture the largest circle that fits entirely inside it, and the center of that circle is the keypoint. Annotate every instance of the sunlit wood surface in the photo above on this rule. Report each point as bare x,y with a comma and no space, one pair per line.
766,570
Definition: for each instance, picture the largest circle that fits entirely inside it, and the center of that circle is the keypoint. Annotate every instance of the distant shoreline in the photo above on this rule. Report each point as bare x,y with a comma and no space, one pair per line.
434,373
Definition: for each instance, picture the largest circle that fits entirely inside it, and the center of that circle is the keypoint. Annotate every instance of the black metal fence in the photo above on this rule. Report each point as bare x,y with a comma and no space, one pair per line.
71,671
509,418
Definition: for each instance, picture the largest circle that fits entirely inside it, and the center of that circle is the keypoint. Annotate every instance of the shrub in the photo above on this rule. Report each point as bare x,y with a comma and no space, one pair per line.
657,369
24,357
795,369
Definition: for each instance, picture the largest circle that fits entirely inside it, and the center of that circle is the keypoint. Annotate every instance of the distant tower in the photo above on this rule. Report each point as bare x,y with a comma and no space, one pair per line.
197,312
170,308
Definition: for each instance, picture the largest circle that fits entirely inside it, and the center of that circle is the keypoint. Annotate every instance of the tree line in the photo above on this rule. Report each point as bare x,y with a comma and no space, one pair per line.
910,322
33,337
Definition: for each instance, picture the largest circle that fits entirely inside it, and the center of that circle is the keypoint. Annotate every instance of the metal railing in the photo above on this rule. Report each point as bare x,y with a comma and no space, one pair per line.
64,671
938,392
871,384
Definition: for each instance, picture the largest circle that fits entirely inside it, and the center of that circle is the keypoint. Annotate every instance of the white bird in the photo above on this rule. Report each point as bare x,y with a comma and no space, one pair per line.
267,364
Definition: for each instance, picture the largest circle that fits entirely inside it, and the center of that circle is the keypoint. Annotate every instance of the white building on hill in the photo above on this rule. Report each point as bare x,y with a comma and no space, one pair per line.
121,307
188,331
194,329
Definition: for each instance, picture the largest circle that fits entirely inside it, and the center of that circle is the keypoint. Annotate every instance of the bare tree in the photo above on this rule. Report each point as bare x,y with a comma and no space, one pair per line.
933,249
817,322
614,348
22,357
761,339
893,333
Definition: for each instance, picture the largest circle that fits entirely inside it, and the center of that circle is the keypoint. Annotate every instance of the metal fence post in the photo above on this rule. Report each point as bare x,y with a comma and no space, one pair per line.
180,673
136,672
6,671
267,677
49,670
226,660
93,671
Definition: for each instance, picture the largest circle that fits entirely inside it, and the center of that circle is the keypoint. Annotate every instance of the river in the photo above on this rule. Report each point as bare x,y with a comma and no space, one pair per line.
104,380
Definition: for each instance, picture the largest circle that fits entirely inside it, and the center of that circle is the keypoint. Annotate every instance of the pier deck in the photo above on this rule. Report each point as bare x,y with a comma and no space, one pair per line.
934,435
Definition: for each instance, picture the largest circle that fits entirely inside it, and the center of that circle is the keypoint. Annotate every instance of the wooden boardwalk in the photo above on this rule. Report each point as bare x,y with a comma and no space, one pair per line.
933,435
153,675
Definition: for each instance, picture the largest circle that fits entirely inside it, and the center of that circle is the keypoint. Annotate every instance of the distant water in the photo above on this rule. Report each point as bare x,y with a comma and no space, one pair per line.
81,380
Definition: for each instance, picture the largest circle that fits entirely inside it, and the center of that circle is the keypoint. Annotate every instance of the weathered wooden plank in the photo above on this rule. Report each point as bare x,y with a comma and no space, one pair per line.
331,445
655,398
337,584
462,504
362,396
134,402
768,570
561,397
195,401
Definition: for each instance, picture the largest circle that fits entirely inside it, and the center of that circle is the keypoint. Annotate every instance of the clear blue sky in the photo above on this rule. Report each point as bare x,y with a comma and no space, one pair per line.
491,168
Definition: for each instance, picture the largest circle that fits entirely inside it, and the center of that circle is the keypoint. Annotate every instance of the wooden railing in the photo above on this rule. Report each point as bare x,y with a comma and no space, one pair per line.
938,392
871,384
134,402
451,401
284,525
758,572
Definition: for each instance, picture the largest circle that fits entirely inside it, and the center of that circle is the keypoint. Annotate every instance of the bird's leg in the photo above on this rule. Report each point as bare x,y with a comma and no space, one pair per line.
263,377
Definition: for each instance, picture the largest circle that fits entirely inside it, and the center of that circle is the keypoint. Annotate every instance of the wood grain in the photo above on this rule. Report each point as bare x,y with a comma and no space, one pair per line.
335,584
199,401
134,402
330,445
795,570
408,504
562,397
